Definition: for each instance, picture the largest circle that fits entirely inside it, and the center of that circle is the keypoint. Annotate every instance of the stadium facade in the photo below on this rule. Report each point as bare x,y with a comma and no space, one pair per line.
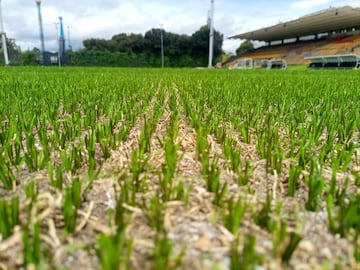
329,38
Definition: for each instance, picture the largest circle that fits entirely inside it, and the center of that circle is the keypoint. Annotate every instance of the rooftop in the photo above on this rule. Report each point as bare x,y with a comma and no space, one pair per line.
331,19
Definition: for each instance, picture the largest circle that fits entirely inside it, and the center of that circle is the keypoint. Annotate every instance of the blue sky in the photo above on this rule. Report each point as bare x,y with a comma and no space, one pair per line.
105,18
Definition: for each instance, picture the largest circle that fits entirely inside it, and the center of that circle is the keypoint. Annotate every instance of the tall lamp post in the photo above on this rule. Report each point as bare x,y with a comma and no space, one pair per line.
62,40
38,3
3,37
68,38
58,42
211,36
162,46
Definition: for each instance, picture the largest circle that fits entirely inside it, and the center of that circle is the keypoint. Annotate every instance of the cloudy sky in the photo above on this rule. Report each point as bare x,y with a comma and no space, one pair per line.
105,18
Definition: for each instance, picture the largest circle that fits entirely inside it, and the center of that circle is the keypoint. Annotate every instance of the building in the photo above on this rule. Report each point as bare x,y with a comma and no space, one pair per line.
330,32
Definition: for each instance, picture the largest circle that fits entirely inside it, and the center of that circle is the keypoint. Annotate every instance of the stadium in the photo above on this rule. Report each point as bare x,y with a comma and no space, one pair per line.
326,39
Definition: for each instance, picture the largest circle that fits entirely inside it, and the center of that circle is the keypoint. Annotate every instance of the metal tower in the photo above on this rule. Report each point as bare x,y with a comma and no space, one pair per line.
211,37
38,3
3,37
162,45
68,38
61,38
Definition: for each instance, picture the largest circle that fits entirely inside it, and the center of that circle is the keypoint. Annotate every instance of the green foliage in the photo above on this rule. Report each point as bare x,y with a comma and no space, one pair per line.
168,190
32,245
294,241
138,163
155,213
244,47
213,184
248,259
200,45
31,192
7,177
315,184
357,247
69,121
232,155
9,216
233,216
263,217
72,202
56,181
136,50
114,252
347,216
345,219
243,176
14,52
162,253
108,252
120,217
29,58
294,175
284,242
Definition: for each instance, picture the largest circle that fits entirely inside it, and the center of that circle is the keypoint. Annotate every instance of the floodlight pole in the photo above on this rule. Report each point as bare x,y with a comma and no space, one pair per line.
162,46
38,4
3,37
211,36
68,34
58,42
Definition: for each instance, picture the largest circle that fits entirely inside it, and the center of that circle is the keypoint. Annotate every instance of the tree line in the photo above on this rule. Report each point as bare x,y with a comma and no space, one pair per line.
145,50
138,50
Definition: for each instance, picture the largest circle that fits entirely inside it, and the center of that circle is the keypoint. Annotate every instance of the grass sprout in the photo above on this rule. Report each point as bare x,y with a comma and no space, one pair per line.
9,216
248,258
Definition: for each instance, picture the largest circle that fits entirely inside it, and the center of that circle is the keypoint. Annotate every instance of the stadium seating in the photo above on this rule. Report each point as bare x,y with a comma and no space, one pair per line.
296,52
328,32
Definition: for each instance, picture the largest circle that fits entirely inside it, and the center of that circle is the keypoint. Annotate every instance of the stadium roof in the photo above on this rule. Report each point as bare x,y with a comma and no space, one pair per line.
320,22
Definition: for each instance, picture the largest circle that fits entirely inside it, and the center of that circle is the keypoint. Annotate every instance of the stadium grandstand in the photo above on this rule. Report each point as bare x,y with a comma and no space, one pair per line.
326,39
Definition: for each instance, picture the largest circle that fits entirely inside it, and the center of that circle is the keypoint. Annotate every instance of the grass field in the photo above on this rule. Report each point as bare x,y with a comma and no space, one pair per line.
179,169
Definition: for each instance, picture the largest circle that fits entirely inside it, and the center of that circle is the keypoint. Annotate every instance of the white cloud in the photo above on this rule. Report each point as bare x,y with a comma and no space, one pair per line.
310,3
105,18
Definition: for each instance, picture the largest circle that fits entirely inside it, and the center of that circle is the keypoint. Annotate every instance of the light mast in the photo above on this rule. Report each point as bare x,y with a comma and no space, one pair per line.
68,38
162,45
38,3
62,37
61,42
3,37
211,36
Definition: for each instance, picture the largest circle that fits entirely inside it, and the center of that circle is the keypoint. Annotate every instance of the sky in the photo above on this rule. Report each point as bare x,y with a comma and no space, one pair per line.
83,19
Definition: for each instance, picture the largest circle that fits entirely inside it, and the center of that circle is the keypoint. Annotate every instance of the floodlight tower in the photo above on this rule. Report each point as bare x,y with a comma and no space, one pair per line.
162,45
62,37
58,42
3,37
38,3
68,38
211,36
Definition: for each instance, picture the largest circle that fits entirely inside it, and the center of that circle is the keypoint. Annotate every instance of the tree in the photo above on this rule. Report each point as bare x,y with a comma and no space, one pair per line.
96,44
200,45
140,50
29,57
152,41
226,56
129,43
14,52
244,47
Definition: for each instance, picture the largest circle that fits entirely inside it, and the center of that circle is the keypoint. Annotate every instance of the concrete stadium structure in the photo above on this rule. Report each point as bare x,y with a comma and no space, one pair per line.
334,31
